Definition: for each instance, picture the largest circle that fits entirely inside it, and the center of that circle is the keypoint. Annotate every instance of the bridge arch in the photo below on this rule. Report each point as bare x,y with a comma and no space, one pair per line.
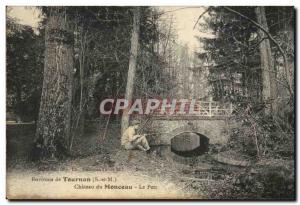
188,128
189,143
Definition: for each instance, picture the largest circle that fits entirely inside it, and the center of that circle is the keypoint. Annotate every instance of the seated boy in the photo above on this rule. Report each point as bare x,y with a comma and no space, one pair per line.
131,140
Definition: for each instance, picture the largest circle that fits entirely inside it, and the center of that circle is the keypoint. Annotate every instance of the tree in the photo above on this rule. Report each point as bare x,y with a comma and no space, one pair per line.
232,54
269,88
132,65
53,127
257,44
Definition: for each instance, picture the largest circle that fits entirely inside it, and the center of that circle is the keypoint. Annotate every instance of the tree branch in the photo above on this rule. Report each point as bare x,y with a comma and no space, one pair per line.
207,10
290,89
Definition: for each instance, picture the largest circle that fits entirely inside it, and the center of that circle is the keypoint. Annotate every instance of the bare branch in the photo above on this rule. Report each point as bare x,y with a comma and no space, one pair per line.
290,89
207,10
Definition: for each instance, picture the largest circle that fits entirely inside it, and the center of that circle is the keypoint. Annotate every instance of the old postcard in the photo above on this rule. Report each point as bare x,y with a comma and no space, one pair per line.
119,102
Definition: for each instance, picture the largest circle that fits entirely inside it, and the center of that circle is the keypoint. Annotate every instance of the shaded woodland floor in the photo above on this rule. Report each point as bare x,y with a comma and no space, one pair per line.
196,177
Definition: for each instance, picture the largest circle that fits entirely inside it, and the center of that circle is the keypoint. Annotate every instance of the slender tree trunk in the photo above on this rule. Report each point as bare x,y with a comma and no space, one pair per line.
53,127
132,65
83,93
269,92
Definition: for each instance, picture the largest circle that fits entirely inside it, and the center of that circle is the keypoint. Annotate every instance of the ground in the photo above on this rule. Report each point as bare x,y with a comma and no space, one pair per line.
201,177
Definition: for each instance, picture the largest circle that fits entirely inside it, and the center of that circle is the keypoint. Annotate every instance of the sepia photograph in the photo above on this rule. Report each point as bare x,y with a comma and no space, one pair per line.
150,102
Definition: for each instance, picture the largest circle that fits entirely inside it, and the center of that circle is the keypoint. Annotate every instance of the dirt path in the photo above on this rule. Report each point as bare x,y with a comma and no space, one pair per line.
150,176
116,179
159,174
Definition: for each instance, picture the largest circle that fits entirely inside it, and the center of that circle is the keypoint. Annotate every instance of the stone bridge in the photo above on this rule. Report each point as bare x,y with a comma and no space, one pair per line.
212,120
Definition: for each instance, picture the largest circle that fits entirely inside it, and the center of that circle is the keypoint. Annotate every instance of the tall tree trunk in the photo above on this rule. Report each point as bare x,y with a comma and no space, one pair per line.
132,65
53,127
83,91
269,92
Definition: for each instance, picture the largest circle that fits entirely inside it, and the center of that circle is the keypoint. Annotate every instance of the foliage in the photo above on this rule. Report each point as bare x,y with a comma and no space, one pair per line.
236,76
259,135
264,182
233,55
24,64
